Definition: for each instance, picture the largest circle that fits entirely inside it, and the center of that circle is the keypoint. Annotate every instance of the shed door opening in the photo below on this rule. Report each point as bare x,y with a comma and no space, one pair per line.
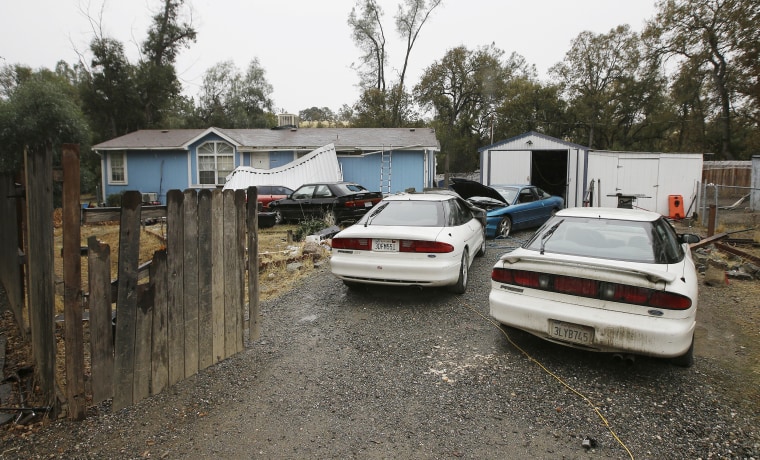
549,171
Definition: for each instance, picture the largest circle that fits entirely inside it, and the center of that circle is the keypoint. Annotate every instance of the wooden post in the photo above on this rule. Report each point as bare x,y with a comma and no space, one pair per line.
205,317
231,270
254,311
72,284
143,346
101,319
175,284
126,300
711,220
190,277
41,295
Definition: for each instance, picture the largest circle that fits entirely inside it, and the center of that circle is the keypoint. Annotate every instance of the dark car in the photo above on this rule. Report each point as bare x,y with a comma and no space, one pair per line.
509,207
334,202
269,193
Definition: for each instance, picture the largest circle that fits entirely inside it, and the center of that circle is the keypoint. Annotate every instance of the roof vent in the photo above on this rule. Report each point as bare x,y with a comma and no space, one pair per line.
164,130
411,129
287,119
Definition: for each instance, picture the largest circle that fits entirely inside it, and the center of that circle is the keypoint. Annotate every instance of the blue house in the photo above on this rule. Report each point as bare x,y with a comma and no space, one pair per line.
389,160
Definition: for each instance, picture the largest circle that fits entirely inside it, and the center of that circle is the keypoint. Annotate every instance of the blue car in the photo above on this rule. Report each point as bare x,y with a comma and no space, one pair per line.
509,207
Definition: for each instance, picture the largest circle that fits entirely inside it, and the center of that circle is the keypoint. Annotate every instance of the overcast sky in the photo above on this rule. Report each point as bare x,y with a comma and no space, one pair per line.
305,46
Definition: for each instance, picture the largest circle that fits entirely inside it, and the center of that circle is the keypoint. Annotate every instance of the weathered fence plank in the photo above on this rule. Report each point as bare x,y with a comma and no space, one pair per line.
143,346
217,273
205,318
252,222
126,301
160,358
72,284
101,319
239,272
230,279
41,295
190,268
175,285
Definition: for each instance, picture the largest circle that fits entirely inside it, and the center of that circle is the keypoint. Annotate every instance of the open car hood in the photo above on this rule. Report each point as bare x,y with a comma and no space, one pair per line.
469,188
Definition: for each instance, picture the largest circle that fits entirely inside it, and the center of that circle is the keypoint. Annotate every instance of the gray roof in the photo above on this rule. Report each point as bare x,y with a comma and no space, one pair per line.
344,139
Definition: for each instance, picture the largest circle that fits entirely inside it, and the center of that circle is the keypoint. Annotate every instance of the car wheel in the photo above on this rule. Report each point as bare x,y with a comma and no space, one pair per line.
686,359
464,269
329,218
278,217
482,251
504,227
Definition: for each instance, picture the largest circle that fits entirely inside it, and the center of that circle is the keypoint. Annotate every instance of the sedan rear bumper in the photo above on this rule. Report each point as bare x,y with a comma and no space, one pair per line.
613,331
358,266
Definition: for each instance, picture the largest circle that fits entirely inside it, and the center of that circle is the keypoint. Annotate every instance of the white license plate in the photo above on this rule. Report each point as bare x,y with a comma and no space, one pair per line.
367,204
570,332
385,245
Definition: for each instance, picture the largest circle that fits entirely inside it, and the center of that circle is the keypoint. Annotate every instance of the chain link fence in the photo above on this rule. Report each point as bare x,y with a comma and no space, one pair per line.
726,208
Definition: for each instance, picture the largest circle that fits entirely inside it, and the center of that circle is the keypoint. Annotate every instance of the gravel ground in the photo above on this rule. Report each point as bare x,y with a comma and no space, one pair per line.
405,373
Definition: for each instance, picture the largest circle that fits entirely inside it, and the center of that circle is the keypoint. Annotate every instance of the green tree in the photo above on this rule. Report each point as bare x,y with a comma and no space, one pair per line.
230,99
367,32
463,90
318,116
709,36
156,77
40,110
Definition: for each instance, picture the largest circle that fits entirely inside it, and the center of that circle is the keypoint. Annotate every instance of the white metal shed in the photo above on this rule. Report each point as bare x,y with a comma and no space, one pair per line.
586,177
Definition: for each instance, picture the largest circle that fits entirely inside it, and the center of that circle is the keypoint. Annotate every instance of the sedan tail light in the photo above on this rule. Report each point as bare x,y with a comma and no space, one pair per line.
594,289
365,244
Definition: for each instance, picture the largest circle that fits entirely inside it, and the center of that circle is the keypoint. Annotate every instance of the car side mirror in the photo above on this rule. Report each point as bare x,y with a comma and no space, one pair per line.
689,238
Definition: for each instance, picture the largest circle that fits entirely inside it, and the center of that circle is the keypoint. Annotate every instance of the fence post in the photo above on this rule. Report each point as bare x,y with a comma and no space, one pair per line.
72,284
190,277
175,281
205,313
41,295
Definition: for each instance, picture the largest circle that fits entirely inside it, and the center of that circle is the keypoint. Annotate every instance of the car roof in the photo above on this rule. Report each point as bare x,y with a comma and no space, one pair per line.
427,196
610,213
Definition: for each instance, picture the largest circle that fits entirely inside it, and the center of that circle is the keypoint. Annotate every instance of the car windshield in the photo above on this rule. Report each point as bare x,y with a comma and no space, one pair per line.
646,242
509,194
406,214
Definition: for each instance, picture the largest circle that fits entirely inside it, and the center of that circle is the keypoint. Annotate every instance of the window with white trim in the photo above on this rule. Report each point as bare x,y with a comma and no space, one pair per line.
216,160
117,167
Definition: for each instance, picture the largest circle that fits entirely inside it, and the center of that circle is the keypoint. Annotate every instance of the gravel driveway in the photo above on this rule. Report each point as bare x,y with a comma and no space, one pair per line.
405,373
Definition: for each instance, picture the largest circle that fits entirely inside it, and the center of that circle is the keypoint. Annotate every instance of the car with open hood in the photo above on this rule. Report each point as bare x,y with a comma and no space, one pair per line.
509,207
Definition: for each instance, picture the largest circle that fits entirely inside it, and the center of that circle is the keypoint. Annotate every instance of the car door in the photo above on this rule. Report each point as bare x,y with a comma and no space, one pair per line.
524,211
322,201
545,211
465,228
299,205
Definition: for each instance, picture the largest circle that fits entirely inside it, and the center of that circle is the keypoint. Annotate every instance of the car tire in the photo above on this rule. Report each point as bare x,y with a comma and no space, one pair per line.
278,217
482,251
686,359
464,273
504,228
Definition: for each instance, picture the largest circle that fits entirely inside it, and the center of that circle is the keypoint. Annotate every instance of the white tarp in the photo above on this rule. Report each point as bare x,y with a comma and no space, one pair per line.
320,165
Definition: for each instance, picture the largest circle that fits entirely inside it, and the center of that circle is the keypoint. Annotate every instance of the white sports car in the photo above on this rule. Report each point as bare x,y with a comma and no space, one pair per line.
411,239
602,279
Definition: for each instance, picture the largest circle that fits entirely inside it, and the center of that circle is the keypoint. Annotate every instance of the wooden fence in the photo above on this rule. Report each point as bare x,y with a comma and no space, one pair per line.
144,336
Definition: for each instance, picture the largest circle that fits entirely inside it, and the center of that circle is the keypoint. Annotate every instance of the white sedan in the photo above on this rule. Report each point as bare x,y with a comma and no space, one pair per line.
602,279
411,239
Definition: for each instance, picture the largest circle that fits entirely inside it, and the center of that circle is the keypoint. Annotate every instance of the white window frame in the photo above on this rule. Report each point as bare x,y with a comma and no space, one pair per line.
109,161
216,154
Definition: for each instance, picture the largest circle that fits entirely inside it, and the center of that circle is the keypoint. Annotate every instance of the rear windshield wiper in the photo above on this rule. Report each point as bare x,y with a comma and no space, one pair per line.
374,213
545,237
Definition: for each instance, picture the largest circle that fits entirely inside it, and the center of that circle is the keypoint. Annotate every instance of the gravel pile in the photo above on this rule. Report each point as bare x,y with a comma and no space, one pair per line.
405,373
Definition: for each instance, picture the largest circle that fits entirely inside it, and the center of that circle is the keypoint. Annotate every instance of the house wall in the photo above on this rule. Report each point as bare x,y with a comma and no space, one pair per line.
155,172
407,170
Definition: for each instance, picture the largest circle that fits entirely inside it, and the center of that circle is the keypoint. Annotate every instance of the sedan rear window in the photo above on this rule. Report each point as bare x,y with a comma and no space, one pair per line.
646,242
406,214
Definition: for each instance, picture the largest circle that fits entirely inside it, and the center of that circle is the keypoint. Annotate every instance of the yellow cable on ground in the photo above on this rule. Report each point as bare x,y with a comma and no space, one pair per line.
556,377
